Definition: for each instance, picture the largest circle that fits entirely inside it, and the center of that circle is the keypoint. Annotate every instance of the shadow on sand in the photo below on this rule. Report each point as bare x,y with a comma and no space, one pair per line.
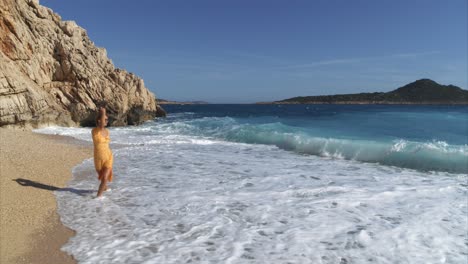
26,182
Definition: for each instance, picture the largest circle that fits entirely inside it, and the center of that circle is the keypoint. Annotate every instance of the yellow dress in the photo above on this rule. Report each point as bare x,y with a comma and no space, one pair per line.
102,153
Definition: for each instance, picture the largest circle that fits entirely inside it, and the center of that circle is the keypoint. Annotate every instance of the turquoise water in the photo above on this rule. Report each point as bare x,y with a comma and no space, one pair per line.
428,138
276,184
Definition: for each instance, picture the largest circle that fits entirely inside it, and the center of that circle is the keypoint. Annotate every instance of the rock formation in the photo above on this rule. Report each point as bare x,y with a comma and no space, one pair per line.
52,73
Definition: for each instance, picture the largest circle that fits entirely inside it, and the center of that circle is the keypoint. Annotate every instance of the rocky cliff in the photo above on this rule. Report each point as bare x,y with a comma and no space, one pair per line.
52,73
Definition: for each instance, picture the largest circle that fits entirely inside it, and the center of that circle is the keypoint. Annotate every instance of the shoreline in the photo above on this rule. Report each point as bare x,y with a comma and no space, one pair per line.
33,166
361,103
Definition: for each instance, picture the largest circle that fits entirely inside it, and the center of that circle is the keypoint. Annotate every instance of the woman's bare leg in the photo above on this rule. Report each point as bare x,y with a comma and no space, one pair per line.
105,189
104,173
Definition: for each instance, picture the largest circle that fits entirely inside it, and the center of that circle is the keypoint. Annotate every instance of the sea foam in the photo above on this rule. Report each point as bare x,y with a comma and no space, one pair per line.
181,198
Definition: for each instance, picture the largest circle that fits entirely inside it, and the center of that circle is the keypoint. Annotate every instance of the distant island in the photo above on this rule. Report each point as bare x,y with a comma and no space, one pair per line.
424,91
163,101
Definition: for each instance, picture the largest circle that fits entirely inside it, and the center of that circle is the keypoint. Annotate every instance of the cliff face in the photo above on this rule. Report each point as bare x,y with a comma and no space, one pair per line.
52,73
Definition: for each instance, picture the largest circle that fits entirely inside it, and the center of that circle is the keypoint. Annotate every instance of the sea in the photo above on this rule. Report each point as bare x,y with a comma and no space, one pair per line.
276,184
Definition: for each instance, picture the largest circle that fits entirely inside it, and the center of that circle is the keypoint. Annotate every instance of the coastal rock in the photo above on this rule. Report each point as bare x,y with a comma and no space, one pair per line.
52,73
160,111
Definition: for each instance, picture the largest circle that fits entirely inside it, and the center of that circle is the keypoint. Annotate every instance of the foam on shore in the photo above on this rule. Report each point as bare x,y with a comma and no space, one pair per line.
185,199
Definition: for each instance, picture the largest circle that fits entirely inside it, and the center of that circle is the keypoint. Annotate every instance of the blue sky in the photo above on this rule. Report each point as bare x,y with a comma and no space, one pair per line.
248,51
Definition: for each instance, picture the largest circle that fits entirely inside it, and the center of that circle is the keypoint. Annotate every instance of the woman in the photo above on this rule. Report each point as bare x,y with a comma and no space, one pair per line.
103,158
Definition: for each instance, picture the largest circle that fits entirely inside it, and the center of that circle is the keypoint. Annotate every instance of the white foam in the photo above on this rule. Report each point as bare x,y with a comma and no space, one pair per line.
399,145
79,133
189,199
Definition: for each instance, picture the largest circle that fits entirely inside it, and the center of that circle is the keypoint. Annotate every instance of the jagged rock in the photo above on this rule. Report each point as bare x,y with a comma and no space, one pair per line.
52,73
160,112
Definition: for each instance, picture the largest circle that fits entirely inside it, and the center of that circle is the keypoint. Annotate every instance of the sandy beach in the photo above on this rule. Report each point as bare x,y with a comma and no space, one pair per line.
32,167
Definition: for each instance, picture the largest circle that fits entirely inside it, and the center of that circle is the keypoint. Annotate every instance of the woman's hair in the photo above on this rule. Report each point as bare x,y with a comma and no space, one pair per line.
100,113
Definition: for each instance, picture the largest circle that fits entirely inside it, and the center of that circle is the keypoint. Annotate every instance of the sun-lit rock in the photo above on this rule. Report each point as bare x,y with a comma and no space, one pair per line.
52,73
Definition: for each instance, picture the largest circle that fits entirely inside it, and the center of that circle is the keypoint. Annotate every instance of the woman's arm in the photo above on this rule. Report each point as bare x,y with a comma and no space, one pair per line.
93,134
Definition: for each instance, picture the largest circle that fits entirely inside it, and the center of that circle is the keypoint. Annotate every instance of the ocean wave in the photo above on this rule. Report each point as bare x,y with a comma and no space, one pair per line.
427,156
435,155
